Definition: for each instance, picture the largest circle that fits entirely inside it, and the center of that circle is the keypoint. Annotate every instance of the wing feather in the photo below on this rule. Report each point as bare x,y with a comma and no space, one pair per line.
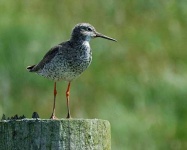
46,59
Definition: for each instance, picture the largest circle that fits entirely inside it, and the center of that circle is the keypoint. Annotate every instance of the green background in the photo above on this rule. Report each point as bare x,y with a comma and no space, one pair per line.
139,83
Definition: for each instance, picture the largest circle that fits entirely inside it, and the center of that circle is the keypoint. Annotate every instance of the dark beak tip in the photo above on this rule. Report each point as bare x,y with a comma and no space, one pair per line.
105,37
114,40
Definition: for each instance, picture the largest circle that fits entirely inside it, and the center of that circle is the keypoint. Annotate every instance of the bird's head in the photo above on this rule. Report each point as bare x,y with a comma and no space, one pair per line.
85,31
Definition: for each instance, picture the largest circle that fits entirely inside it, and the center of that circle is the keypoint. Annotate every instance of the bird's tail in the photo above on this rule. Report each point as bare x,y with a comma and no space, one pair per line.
30,68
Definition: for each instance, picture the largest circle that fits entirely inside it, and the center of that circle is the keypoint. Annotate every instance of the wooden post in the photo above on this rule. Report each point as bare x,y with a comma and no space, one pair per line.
63,134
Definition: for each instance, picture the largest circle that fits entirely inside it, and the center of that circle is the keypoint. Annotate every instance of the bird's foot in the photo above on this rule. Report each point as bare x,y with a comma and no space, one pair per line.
68,116
53,117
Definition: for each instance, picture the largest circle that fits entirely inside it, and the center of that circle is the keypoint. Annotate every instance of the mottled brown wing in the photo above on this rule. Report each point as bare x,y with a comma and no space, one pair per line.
47,58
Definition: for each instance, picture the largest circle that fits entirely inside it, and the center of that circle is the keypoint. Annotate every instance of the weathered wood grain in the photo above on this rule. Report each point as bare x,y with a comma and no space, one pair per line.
63,134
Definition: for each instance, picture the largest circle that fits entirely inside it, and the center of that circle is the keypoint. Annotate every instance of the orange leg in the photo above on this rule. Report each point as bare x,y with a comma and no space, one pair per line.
55,93
67,97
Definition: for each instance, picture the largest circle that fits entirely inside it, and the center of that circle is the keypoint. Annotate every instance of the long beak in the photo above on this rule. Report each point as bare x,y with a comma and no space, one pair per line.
104,36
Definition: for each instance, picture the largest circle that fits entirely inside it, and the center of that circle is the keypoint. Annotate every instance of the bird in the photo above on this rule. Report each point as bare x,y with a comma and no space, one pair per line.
68,60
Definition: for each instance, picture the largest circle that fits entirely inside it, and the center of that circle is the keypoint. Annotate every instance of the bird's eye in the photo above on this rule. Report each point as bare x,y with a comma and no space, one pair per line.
89,29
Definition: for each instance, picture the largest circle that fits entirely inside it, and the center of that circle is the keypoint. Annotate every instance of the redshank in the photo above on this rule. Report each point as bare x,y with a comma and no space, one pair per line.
68,60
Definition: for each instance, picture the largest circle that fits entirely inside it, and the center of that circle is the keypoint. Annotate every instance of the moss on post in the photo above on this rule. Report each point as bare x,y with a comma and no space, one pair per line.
64,134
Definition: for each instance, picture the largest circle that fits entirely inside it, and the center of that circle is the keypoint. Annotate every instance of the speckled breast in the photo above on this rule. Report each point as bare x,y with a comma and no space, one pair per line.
69,66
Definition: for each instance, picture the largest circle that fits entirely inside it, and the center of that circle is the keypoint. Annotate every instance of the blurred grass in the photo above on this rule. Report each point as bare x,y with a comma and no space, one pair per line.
139,83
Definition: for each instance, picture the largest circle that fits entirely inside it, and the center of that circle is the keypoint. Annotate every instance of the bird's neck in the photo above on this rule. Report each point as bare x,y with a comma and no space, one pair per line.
79,39
83,42
80,45
86,44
